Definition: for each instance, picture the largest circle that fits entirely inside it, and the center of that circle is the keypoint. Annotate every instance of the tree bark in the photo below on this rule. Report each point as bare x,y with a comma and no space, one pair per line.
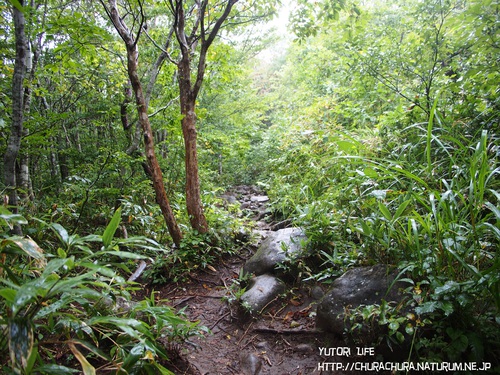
14,143
32,56
142,111
194,204
157,176
188,94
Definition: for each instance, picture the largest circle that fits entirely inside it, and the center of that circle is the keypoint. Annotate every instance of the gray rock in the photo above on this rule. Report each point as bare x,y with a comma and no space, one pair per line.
359,286
304,348
230,199
262,345
263,289
243,234
259,198
250,364
317,293
275,249
245,205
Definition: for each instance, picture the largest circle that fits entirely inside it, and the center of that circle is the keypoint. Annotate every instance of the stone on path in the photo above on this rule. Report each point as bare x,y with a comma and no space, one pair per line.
263,289
250,364
359,286
259,198
274,250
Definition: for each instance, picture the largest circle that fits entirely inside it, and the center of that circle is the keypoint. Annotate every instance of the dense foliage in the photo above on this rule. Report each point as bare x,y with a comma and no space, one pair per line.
376,130
392,156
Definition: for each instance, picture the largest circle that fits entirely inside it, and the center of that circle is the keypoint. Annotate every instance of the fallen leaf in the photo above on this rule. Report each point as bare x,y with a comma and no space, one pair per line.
288,316
211,268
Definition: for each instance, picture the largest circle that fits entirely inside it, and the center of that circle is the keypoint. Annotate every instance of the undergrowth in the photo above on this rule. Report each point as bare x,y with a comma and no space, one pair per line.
426,202
67,307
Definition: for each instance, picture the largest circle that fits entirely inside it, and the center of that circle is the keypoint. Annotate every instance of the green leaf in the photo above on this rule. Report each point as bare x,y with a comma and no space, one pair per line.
121,254
12,219
29,292
394,326
12,275
476,345
163,370
449,286
92,349
98,268
447,308
493,209
110,230
346,146
459,341
55,370
370,172
17,5
32,358
400,336
401,209
20,341
385,211
55,264
427,307
430,125
61,232
56,305
134,355
131,327
8,294
409,329
61,253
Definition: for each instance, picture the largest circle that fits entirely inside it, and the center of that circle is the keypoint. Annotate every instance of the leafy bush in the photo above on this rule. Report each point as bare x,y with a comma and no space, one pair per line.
428,204
76,300
227,233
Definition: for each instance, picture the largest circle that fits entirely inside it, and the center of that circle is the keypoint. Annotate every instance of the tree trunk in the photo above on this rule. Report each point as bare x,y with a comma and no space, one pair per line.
156,173
142,111
14,143
189,92
193,197
24,182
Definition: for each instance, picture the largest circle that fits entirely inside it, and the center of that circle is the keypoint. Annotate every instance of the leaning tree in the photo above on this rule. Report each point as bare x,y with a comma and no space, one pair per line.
193,26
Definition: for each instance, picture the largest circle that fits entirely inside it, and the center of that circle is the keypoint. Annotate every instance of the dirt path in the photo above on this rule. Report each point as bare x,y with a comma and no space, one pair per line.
282,340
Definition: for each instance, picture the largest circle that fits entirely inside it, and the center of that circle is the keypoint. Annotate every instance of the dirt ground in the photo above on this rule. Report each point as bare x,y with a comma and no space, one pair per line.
280,341
283,340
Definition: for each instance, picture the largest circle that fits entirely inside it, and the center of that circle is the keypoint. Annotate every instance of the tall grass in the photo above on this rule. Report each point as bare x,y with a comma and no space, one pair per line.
428,205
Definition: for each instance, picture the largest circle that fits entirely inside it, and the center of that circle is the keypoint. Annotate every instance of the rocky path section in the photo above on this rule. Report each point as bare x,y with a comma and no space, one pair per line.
280,339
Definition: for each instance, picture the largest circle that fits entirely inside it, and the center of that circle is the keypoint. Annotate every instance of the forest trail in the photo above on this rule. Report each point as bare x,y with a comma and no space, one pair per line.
281,341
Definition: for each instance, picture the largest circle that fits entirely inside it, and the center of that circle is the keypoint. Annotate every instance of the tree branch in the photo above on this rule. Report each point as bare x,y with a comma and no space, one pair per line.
206,43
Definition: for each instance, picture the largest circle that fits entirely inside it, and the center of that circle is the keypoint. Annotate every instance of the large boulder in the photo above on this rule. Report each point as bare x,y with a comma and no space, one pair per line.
274,250
359,286
263,289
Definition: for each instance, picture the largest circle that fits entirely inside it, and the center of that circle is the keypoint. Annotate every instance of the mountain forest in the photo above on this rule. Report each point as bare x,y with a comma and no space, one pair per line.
372,125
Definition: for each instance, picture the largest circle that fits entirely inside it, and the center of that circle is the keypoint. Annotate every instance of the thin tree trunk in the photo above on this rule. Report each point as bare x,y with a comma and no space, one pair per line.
157,176
193,197
25,192
189,92
24,182
63,165
53,163
14,143
142,111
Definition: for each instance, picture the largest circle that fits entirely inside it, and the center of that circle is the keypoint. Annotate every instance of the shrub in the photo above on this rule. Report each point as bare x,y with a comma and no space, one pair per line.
67,301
